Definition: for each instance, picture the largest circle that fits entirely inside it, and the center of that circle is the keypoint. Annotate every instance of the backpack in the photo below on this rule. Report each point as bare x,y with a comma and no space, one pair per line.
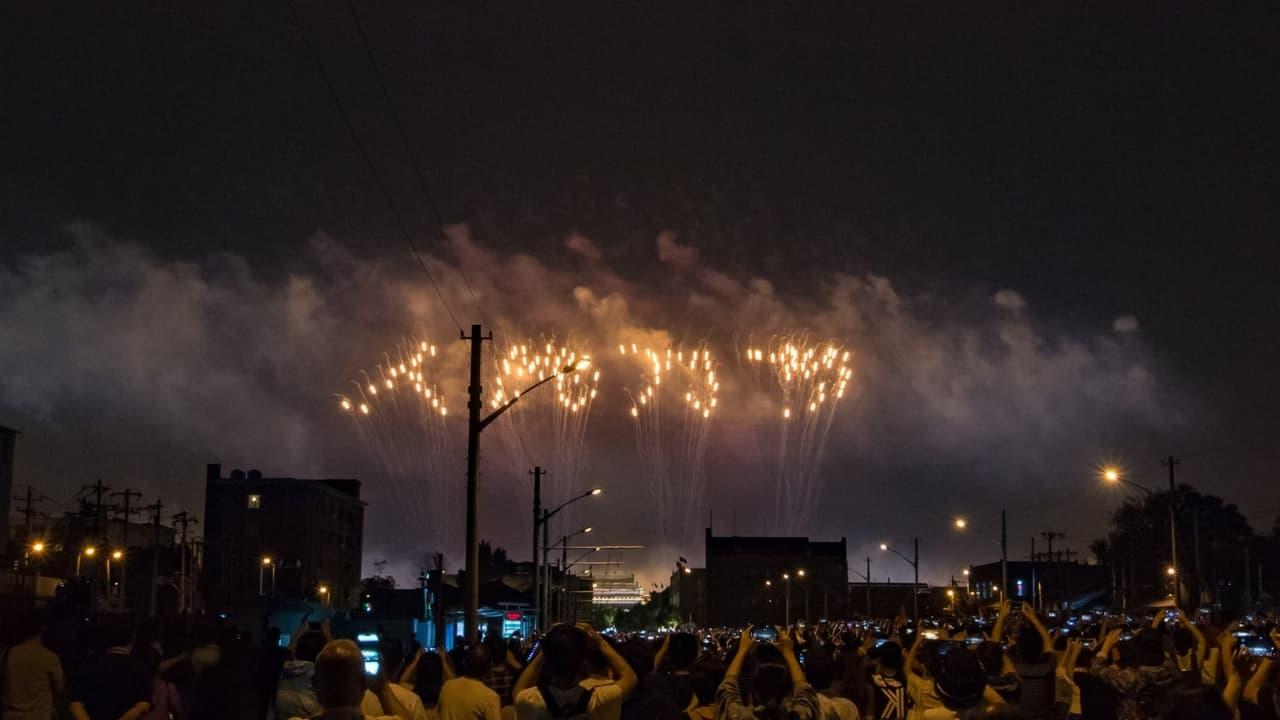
577,712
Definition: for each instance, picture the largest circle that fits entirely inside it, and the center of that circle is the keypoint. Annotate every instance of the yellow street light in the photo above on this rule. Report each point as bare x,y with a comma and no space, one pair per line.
785,576
266,559
688,571
587,529
323,589
961,523
37,547
89,551
951,593
1111,474
116,555
884,546
966,572
597,491
800,572
1170,571
768,583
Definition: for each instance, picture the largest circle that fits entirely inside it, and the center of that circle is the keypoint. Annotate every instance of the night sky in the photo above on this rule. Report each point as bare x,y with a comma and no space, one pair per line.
1047,235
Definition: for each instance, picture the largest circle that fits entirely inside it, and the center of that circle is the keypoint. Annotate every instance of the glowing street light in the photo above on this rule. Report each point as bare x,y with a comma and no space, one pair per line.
1111,475
324,590
961,523
118,554
88,552
1170,571
37,547
914,562
267,562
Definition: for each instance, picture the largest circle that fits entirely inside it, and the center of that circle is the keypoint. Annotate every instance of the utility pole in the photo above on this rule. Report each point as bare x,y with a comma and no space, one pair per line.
915,588
26,516
1048,535
537,517
127,494
155,509
1172,462
183,519
868,587
99,509
475,403
438,618
1035,588
1004,552
1195,539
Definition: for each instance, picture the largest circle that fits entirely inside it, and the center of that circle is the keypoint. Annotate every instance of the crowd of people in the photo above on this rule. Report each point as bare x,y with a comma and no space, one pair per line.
1014,664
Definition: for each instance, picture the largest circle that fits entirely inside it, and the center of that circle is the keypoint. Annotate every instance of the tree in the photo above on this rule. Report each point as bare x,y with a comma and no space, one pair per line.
1137,546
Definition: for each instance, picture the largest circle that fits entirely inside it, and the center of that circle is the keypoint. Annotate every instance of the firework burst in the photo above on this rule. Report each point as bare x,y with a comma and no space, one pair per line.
805,382
402,417
672,410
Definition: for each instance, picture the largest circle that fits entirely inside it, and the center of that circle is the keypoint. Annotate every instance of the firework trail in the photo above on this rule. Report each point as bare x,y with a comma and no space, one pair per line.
402,417
672,413
805,381
549,426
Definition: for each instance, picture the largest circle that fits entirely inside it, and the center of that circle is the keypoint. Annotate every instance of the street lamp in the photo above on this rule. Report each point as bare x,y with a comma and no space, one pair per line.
116,555
267,562
324,590
914,562
475,426
541,518
1115,476
961,524
87,552
37,547
564,558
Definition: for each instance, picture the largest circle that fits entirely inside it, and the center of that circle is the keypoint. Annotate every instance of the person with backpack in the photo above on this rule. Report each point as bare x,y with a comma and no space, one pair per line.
550,686
779,687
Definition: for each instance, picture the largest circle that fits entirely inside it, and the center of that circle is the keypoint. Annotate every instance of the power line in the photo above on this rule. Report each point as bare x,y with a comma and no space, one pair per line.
368,159
413,156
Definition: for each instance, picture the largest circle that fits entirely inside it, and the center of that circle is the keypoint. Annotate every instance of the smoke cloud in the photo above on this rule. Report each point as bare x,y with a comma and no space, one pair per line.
218,359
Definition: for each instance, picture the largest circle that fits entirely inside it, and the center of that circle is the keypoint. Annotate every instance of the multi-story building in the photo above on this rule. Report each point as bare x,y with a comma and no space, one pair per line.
772,579
1046,584
8,443
284,536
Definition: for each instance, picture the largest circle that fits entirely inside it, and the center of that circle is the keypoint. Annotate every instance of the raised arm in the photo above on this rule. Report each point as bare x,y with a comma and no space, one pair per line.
662,652
1029,613
529,678
744,647
1202,645
626,677
997,629
297,633
1263,673
408,676
910,665
449,671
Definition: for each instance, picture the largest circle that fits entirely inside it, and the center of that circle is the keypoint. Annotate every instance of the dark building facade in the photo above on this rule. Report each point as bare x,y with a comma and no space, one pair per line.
280,536
8,444
746,579
1046,584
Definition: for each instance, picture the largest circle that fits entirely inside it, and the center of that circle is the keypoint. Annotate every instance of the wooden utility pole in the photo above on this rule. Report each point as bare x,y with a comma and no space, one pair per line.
183,519
127,495
155,508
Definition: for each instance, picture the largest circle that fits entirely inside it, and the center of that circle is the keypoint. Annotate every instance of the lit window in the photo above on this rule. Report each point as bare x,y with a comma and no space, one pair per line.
255,502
